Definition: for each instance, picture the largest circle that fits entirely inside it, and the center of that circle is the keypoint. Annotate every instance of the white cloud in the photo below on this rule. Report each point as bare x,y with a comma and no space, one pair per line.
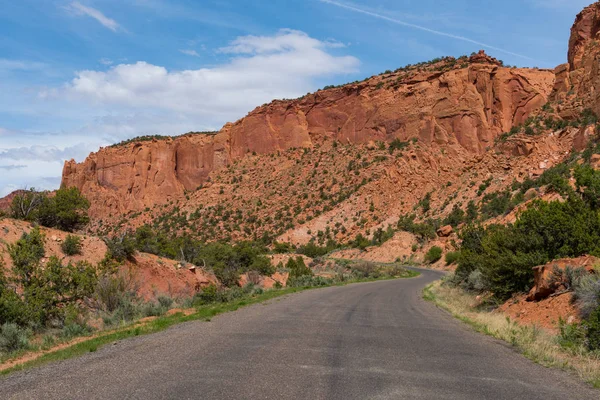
193,53
79,9
101,106
106,61
284,65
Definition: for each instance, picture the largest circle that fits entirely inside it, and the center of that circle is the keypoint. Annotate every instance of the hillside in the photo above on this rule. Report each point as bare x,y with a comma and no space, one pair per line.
458,105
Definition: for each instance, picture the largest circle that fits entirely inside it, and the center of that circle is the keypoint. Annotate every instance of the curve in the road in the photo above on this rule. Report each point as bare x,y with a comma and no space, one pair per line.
366,341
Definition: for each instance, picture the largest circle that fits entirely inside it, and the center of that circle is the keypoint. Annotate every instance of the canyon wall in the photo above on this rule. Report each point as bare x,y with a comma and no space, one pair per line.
464,102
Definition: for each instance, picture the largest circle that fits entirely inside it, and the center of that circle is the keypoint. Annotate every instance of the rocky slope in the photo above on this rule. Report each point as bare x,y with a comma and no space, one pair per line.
462,105
354,158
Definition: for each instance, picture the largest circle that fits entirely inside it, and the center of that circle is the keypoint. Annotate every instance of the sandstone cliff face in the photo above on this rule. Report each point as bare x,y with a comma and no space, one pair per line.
464,105
577,83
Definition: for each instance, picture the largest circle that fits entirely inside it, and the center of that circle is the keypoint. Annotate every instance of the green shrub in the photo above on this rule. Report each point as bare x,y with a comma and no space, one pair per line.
112,291
587,295
425,230
544,232
297,267
66,210
13,338
475,281
397,144
208,295
309,281
25,205
74,330
72,245
360,242
593,330
120,248
365,269
314,251
451,257
456,217
433,255
152,309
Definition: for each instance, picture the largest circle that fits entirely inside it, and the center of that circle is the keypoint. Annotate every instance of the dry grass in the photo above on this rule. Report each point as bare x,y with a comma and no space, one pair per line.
535,343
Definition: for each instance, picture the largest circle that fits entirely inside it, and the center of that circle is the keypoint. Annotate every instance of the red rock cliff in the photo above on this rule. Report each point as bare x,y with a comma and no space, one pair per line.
578,81
464,102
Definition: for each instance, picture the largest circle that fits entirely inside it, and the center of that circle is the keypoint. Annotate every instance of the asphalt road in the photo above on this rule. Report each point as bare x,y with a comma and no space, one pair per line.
365,341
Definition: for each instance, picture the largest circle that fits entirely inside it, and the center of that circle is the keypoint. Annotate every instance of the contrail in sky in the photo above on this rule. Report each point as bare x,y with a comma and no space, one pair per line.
419,27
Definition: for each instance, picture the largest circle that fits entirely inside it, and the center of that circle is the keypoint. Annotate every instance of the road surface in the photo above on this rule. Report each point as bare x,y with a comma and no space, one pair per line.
365,341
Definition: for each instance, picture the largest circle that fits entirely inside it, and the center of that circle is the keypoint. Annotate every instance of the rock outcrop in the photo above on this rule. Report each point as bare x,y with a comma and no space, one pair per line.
548,279
464,103
577,84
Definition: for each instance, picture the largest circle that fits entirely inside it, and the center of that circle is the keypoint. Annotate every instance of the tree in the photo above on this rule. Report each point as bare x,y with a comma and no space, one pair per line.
26,254
25,205
67,210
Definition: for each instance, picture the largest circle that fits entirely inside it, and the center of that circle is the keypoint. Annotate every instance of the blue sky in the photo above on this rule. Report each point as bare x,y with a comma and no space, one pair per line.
76,75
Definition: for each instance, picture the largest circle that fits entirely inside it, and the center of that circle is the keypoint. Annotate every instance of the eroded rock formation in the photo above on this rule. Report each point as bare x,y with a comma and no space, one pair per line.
463,103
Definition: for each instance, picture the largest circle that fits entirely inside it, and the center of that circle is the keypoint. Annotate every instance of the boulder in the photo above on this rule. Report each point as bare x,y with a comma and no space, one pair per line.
544,284
445,231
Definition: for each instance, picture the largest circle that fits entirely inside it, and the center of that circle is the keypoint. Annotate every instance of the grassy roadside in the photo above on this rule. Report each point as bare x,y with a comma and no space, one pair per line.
205,312
533,342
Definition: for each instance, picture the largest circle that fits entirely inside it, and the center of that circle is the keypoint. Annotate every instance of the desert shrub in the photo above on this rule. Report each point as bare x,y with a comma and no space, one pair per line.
425,203
569,276
165,301
72,245
360,242
41,293
397,144
13,338
112,291
26,254
128,310
587,295
472,212
309,281
433,254
588,183
282,248
297,267
365,269
313,251
425,230
152,309
451,257
571,336
74,329
381,236
593,330
475,281
456,217
120,248
208,295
